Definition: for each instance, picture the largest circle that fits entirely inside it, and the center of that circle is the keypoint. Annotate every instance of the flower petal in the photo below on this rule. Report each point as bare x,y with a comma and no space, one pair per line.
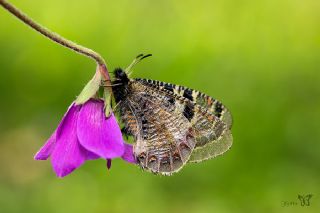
97,133
47,148
91,156
68,154
128,154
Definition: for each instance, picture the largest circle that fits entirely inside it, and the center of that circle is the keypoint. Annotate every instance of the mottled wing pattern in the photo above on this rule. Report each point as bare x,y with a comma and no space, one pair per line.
164,138
211,121
213,106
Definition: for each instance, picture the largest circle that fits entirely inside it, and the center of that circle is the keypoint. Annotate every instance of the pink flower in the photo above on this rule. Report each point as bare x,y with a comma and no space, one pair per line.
84,134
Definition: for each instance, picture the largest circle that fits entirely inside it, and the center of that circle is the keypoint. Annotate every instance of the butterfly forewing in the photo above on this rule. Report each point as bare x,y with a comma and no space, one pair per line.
211,133
213,105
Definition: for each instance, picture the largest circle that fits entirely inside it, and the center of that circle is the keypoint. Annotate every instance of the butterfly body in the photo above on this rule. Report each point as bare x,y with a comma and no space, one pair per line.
171,125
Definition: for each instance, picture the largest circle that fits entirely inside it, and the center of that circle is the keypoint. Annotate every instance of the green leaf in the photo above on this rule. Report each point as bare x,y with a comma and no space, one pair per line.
107,102
90,89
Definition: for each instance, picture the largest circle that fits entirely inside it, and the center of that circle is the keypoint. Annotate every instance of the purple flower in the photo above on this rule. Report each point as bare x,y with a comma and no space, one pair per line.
84,134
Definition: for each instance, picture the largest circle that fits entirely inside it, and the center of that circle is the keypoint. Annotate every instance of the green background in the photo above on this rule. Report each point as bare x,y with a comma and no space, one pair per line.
260,58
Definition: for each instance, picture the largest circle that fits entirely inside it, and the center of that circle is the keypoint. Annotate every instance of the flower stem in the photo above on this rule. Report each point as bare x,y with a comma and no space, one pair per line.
58,39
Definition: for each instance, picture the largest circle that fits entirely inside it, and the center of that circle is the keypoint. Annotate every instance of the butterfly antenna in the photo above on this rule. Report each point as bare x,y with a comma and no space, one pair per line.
138,58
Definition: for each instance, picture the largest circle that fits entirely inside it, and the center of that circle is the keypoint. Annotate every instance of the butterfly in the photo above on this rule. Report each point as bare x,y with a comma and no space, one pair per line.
172,125
305,200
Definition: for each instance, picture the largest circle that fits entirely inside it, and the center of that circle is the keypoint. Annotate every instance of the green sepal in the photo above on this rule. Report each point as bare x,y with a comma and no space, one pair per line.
90,89
107,102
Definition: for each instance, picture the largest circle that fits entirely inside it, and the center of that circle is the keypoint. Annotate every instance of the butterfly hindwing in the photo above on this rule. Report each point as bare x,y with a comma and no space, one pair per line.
212,148
164,137
212,135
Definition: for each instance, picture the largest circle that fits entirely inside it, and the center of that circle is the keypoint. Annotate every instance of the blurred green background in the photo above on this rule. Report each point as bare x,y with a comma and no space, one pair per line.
260,58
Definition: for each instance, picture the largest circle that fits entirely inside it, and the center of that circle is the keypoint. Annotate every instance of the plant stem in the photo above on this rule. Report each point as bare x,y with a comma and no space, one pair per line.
58,39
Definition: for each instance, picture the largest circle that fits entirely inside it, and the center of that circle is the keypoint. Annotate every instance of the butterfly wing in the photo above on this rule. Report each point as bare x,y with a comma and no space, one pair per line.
211,121
213,105
164,138
213,148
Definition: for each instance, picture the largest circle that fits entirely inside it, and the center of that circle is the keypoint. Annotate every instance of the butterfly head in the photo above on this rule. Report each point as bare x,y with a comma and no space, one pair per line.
120,84
121,76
